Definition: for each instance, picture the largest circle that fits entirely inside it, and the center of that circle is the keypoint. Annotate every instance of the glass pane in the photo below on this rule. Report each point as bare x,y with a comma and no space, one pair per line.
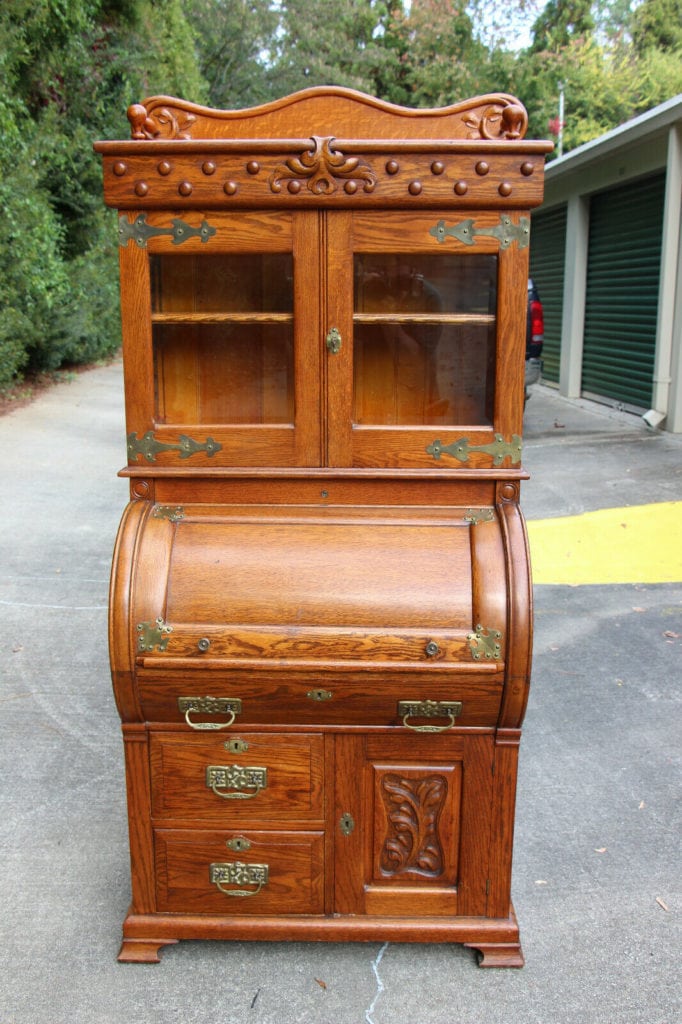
424,339
227,373
234,282
223,338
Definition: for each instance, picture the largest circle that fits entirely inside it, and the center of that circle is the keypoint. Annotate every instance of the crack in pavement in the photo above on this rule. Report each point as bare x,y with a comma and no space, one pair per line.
380,985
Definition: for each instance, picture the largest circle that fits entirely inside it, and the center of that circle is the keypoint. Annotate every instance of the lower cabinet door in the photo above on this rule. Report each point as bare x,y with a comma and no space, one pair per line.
227,873
412,830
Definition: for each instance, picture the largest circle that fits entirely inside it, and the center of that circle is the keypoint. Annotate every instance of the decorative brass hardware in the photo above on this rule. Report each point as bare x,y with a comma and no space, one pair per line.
204,644
231,706
153,634
174,513
149,447
246,782
238,844
333,341
479,515
506,232
429,709
320,695
485,642
346,824
236,746
499,449
179,231
431,649
238,873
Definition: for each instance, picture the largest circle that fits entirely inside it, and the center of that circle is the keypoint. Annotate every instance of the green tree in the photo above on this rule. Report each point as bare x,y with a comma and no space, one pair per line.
68,70
445,58
234,39
329,42
657,24
560,23
607,78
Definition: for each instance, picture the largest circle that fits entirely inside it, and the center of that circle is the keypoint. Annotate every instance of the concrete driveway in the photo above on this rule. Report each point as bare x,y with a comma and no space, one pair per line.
597,869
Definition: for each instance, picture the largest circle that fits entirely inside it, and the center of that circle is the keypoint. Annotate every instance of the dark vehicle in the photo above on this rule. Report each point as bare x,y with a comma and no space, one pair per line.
535,335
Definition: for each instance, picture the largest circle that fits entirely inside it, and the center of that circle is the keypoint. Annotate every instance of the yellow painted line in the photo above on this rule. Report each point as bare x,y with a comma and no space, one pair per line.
641,544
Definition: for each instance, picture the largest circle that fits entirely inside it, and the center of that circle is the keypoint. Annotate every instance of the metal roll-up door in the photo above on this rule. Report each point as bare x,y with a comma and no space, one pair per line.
547,256
621,306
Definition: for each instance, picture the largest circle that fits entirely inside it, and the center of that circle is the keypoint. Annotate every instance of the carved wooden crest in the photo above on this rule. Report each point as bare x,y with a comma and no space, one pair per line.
321,168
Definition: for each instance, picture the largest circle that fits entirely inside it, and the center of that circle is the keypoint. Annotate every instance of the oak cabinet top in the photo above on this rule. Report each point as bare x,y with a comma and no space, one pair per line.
326,281
327,147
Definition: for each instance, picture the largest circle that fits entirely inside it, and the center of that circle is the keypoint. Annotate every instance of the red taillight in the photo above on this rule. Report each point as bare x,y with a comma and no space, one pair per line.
537,321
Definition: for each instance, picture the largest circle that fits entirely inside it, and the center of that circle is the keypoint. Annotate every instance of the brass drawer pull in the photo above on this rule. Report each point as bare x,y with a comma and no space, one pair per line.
429,709
238,873
243,782
231,706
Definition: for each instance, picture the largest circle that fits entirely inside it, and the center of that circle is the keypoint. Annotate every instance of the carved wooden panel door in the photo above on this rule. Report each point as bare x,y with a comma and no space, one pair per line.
413,821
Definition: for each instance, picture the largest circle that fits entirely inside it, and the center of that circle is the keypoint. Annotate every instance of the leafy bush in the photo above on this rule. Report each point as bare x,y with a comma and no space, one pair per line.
34,286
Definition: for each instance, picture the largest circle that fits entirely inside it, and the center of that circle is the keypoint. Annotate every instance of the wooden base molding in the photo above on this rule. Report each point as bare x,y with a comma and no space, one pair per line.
496,939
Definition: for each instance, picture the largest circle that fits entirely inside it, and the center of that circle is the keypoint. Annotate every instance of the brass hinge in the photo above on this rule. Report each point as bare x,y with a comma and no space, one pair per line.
179,231
485,642
467,232
461,449
479,515
149,447
174,513
153,634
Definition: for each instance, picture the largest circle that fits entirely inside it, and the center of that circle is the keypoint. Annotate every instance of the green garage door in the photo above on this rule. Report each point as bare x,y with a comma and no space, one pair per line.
621,304
547,245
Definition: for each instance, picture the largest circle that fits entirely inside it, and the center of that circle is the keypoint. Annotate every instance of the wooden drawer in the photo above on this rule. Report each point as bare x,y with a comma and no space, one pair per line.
315,700
278,873
247,777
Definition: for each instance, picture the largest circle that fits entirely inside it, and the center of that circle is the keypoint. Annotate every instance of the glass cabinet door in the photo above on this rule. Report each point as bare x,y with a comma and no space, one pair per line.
426,351
230,344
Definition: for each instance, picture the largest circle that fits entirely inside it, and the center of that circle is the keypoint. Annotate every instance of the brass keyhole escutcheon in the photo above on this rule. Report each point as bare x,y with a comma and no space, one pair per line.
236,746
319,695
346,823
239,843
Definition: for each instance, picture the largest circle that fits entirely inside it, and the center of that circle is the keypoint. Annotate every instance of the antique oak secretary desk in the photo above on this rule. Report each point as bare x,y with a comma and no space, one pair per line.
320,623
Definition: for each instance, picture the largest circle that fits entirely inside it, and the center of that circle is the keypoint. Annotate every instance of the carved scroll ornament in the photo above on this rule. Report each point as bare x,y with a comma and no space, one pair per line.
497,121
413,807
321,167
162,123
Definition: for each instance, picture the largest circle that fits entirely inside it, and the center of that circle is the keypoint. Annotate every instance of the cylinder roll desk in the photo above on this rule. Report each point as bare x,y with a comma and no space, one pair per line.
320,615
